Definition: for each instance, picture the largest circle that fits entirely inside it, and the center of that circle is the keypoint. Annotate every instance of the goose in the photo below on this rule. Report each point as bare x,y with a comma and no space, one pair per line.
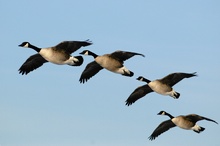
112,62
161,86
187,122
59,54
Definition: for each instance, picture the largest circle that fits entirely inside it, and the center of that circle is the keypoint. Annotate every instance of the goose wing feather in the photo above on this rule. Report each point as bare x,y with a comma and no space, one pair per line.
123,55
194,118
174,78
138,93
163,127
72,46
91,69
32,63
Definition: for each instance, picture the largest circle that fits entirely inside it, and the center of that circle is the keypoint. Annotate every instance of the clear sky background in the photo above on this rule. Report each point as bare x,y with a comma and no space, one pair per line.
49,107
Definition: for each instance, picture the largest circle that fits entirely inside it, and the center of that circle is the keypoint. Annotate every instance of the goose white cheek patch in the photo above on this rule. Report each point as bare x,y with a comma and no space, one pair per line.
87,53
26,45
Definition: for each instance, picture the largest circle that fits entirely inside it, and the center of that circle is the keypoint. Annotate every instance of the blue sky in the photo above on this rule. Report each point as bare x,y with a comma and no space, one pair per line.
49,107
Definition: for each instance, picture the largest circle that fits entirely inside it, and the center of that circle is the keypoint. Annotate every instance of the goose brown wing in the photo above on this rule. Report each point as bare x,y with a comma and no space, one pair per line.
72,46
194,118
32,63
91,69
137,94
123,55
174,78
163,127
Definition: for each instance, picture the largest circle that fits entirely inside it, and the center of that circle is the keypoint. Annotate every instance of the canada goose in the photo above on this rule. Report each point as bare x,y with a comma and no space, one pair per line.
112,62
161,86
59,54
187,122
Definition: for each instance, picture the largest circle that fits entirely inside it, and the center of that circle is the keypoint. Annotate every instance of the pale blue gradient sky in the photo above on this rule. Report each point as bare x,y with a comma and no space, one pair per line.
49,107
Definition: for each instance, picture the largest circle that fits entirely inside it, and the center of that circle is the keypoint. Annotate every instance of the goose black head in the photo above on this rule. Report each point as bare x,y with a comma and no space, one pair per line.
141,78
25,44
162,113
85,52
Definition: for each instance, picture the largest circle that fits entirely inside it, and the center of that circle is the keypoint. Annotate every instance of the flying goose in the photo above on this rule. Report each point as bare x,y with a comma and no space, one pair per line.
112,62
161,86
187,122
59,54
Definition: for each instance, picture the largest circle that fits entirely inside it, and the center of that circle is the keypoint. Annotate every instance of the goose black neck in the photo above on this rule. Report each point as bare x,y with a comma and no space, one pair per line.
34,47
171,117
93,54
146,80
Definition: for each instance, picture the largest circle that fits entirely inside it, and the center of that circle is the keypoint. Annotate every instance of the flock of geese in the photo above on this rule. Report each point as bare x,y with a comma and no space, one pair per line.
114,62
